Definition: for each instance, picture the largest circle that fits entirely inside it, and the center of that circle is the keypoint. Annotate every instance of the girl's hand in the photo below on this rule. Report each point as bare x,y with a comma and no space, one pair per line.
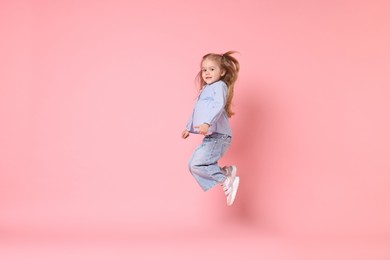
203,129
185,134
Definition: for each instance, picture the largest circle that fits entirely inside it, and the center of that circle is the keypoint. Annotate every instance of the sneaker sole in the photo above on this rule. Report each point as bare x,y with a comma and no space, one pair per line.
236,182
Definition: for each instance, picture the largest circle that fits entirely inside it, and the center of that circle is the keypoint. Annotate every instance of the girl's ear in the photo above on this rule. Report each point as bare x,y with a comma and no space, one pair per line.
223,73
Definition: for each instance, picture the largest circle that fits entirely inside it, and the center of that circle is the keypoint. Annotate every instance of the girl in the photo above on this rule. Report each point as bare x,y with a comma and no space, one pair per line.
210,118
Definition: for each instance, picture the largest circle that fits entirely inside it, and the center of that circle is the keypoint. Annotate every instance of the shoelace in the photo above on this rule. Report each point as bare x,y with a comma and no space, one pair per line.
227,188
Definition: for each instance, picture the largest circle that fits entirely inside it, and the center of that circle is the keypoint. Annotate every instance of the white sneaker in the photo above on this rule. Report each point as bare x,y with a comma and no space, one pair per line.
230,171
230,185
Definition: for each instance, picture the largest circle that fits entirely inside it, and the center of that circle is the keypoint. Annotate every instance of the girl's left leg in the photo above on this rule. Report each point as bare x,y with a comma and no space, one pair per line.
203,164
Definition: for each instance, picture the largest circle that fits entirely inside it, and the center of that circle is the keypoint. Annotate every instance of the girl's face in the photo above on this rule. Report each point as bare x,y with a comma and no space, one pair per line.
211,72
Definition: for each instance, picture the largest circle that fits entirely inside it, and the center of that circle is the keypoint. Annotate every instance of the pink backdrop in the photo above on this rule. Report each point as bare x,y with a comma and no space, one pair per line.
94,96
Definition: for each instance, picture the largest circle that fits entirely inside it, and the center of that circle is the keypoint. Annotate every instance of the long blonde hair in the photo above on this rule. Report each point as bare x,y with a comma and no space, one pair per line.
231,66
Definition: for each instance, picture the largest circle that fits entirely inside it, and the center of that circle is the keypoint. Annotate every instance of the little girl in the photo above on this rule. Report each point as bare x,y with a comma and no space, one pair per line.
210,118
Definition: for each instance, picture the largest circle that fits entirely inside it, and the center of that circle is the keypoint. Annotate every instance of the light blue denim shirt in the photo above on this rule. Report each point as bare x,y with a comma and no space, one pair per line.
210,109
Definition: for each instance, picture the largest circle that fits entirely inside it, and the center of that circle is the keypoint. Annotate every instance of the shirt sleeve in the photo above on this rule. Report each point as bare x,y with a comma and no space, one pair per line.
189,122
217,106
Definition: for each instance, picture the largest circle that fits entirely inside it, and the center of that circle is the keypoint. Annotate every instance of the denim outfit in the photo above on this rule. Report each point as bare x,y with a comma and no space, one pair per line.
210,109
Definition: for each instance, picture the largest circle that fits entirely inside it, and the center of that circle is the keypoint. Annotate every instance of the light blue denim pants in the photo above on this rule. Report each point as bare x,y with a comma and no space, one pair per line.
203,163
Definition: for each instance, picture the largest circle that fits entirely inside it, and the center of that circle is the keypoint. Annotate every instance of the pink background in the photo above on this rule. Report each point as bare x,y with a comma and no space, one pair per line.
94,96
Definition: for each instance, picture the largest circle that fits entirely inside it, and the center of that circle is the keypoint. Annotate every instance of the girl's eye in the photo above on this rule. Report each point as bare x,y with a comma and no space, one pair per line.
203,70
212,69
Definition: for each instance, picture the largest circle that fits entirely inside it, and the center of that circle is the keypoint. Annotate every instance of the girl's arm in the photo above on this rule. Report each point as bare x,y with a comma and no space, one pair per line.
203,129
185,134
218,105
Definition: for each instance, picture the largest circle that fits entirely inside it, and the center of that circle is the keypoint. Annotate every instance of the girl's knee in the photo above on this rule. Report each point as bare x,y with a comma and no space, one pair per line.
192,166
